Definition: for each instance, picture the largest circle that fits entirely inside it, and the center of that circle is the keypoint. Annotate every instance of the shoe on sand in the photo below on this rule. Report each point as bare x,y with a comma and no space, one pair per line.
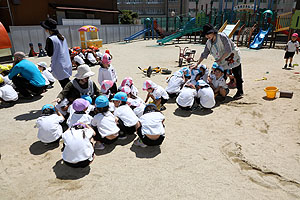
139,143
99,146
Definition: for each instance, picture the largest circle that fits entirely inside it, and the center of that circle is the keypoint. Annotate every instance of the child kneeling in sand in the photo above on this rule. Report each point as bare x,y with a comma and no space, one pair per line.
48,123
218,83
80,106
205,95
186,97
151,131
7,92
126,119
107,129
78,149
157,93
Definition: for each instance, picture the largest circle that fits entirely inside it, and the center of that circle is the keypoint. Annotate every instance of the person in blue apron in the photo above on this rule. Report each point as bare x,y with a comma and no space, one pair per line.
225,53
57,49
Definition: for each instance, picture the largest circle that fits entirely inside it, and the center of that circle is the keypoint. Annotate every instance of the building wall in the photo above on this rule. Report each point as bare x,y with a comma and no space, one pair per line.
32,12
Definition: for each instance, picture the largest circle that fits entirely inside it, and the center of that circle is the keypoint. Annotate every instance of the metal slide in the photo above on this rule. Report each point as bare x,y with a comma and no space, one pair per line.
137,34
259,39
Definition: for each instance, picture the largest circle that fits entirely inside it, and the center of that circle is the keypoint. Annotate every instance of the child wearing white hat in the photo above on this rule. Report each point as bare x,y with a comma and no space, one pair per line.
175,83
47,73
205,95
157,93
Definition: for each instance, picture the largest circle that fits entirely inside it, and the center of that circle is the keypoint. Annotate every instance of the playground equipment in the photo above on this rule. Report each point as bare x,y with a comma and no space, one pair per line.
5,45
148,28
260,37
189,28
93,35
229,29
159,30
185,54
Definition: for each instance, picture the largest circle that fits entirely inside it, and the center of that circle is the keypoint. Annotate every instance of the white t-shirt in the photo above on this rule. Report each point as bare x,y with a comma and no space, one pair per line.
159,92
186,97
49,128
79,59
7,81
77,148
106,124
174,84
7,93
139,106
46,80
219,82
83,118
107,74
207,97
292,46
99,54
81,55
152,123
47,73
91,58
127,115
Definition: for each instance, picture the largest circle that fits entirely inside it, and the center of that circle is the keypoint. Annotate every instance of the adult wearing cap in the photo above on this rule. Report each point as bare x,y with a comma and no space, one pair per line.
226,54
81,85
26,76
57,49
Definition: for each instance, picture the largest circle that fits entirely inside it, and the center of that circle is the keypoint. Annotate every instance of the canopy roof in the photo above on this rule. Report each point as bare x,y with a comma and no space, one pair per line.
89,28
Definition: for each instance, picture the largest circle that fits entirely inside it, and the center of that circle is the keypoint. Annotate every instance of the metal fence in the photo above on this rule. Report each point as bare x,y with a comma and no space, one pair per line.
21,36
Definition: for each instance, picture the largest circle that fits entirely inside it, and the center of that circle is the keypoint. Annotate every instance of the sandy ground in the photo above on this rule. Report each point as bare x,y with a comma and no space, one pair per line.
244,149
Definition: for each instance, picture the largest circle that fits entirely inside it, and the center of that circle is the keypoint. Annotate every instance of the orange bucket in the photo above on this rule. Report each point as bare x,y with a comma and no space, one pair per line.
271,92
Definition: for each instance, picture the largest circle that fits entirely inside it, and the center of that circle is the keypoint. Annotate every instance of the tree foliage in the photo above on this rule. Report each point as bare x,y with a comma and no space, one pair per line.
128,17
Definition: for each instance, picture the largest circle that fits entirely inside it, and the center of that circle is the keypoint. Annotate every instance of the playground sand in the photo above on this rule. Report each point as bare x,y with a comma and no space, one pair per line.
244,149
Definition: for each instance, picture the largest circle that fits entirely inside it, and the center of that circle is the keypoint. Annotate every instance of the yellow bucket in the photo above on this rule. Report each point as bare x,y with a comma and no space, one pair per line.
271,92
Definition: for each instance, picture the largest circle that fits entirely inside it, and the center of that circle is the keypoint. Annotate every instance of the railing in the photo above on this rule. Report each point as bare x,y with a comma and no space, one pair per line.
283,22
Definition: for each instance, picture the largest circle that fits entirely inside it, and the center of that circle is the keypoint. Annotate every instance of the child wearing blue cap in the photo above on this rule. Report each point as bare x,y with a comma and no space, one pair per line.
218,84
48,123
151,129
212,72
126,119
199,72
104,124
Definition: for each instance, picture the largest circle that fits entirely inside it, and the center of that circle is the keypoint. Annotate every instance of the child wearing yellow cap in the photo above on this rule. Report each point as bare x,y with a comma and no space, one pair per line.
7,92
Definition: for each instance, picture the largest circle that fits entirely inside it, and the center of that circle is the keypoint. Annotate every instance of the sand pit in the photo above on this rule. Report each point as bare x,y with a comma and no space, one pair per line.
244,149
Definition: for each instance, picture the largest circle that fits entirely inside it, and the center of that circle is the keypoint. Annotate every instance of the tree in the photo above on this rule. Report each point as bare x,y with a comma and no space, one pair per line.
128,17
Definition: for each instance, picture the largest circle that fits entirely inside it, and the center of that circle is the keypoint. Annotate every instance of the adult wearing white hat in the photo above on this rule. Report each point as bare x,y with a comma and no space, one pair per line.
57,49
79,86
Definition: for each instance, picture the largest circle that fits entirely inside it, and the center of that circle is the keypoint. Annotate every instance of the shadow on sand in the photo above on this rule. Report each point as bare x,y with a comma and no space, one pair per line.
65,172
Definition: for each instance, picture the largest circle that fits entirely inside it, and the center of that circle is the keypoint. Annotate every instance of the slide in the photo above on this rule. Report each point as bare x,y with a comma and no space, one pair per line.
259,39
158,29
137,34
229,29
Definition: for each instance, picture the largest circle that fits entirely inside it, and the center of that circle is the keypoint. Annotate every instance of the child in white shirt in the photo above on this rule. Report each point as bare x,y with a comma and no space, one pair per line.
175,82
205,95
80,106
186,97
107,131
78,150
212,73
107,72
7,92
127,81
91,58
291,47
126,119
151,129
218,84
135,103
48,123
157,93
47,73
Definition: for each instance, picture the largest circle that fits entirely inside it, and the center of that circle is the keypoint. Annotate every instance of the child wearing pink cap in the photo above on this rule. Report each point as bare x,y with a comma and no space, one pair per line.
291,47
80,106
128,81
107,72
157,93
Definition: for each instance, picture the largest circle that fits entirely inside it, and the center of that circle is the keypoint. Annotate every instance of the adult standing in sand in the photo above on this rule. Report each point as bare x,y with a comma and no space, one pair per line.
57,49
226,54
